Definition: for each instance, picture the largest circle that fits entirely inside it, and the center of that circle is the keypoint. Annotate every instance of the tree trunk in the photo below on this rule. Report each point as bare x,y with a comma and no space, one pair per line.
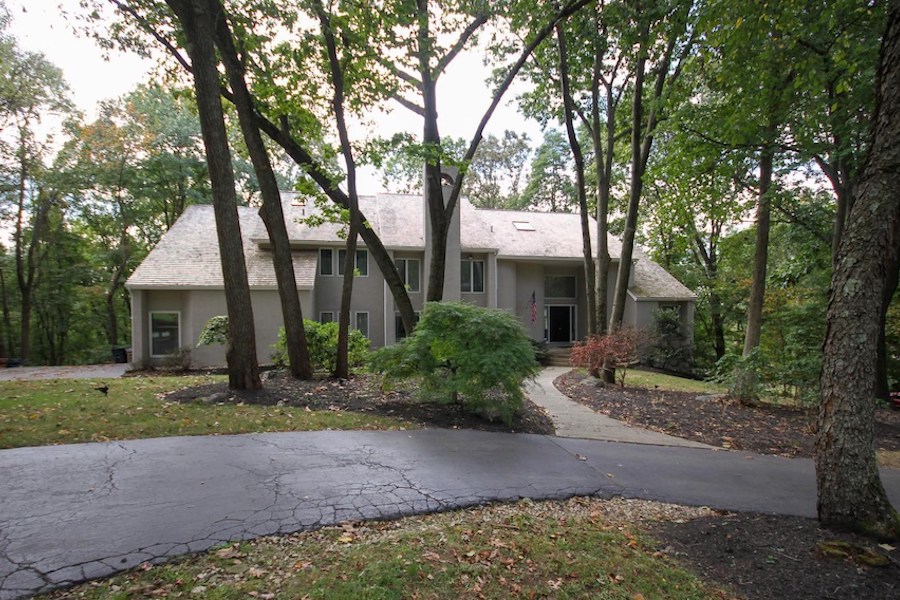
271,211
380,254
850,493
437,212
761,253
6,349
634,196
882,384
342,364
199,29
568,110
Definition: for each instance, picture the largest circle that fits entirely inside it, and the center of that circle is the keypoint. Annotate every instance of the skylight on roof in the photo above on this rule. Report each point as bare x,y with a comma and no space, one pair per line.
523,225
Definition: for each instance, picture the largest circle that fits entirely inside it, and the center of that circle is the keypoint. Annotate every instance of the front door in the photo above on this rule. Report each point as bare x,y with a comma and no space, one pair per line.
559,328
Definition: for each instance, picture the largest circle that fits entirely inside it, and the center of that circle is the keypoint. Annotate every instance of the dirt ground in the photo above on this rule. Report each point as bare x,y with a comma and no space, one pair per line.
362,394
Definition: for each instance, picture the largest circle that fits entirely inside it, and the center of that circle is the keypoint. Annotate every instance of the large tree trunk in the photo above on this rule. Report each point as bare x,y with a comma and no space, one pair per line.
850,493
271,211
199,28
761,253
568,110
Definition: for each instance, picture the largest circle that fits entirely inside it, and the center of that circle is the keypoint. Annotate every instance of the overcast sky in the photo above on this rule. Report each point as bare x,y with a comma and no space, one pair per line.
39,26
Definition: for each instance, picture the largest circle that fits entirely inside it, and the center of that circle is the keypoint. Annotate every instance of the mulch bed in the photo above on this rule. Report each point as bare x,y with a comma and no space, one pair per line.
762,557
363,394
716,421
755,556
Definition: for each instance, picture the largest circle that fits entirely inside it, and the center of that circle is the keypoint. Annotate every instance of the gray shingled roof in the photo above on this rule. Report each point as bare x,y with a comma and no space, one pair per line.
188,256
399,221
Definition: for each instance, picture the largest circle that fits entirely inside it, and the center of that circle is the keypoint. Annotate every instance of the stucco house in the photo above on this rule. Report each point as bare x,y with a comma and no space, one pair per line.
528,263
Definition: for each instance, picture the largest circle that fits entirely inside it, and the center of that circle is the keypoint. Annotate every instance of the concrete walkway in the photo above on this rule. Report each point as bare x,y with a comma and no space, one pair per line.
575,420
107,371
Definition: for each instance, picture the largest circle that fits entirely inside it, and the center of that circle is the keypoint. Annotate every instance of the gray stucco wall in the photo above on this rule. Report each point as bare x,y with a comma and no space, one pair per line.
368,296
530,279
196,307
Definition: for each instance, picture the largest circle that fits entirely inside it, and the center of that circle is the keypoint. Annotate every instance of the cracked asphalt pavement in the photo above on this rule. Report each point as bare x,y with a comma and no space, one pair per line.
79,512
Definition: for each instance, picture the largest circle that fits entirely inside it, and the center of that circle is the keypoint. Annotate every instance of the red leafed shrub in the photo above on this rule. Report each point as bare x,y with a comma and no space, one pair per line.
616,351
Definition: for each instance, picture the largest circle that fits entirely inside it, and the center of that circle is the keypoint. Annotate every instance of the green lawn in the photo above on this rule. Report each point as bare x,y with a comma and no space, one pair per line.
525,550
651,380
64,411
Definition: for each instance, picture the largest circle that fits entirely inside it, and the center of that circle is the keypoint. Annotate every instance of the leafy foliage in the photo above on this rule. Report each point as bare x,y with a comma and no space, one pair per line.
321,339
464,354
214,332
741,375
619,350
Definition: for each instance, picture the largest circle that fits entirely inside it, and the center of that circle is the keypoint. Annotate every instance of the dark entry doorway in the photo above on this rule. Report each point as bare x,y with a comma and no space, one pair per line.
561,323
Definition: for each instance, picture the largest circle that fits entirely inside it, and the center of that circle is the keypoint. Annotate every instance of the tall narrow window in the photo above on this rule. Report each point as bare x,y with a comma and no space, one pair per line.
361,263
362,323
326,262
165,333
472,276
409,273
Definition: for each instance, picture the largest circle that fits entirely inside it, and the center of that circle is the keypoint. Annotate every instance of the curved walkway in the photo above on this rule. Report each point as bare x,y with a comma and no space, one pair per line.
575,420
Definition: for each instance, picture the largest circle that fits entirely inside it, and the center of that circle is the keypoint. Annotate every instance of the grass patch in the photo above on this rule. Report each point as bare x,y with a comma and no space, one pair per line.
65,411
652,380
529,550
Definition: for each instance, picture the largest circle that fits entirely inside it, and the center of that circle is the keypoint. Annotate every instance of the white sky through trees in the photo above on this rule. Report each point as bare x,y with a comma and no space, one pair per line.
39,26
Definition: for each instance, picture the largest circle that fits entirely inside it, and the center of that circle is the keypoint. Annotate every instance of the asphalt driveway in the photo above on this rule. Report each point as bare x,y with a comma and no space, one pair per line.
71,513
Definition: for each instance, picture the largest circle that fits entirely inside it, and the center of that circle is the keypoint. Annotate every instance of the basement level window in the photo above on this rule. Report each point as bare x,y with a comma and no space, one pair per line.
523,225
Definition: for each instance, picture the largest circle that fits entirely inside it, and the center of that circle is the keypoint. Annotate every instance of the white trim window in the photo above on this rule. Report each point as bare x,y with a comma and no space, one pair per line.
361,322
361,262
326,316
471,273
165,332
410,272
326,262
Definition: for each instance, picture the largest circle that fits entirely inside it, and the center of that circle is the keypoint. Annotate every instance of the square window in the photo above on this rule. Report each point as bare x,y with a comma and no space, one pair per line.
560,286
165,333
361,262
326,317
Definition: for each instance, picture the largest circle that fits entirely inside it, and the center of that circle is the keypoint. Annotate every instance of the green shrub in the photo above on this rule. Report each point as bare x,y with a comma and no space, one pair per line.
321,339
214,332
463,354
741,374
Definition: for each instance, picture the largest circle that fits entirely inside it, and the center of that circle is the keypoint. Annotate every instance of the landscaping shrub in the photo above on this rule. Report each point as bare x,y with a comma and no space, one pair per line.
321,339
214,332
618,351
670,349
741,374
464,354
